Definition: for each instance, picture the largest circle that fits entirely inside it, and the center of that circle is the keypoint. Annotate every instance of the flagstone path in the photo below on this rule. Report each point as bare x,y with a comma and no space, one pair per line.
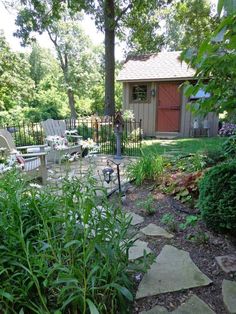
194,305
92,165
173,270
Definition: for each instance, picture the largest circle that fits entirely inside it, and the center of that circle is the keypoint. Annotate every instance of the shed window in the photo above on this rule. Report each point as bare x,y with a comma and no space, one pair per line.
139,92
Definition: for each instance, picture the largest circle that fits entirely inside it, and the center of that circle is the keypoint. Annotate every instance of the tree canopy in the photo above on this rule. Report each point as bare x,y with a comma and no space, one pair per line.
15,82
111,16
215,64
187,23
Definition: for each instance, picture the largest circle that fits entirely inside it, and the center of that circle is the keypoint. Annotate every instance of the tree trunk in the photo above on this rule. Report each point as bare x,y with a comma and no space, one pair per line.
109,57
71,99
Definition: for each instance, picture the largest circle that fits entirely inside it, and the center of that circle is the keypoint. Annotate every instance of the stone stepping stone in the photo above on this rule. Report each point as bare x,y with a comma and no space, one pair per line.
227,263
229,295
138,249
136,219
194,305
156,231
156,310
173,270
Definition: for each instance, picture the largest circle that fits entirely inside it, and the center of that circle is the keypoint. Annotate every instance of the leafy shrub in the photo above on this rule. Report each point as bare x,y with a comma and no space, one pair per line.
85,131
148,167
135,135
148,205
169,221
214,156
198,237
62,252
229,146
217,196
189,163
190,220
183,186
128,115
227,129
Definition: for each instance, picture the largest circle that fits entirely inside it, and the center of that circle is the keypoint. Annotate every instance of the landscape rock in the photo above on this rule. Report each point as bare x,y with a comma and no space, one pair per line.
193,305
229,295
138,249
227,263
156,231
173,270
136,219
156,310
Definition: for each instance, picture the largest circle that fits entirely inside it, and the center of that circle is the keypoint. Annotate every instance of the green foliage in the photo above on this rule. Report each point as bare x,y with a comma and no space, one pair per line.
42,64
169,221
190,220
198,237
85,131
217,197
16,86
148,167
215,156
188,23
148,205
229,146
183,186
216,60
231,116
135,135
62,252
144,36
190,163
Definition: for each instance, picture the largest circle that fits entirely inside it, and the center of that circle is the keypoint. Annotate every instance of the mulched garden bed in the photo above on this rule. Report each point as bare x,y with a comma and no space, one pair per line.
203,250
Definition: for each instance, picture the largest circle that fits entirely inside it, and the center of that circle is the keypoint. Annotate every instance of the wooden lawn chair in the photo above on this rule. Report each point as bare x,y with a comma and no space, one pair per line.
33,162
53,128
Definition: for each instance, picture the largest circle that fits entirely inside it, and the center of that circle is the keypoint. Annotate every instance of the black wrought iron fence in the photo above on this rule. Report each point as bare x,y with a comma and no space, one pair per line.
99,129
26,133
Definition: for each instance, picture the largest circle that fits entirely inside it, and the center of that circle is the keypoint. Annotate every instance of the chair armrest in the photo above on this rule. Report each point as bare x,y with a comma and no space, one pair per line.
34,154
75,136
32,146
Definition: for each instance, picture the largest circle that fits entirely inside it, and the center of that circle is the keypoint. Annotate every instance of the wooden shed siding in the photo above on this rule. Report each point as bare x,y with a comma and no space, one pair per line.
144,111
147,113
185,124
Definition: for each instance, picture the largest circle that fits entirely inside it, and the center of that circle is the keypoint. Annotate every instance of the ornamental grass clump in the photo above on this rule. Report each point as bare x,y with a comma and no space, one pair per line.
148,167
62,252
217,197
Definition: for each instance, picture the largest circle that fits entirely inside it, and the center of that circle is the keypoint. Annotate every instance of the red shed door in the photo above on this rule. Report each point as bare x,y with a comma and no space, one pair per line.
168,108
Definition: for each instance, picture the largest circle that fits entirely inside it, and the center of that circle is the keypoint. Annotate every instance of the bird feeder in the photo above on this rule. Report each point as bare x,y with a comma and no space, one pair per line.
118,129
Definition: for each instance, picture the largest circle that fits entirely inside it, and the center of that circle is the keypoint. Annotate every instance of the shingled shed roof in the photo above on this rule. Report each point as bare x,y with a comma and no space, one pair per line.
155,67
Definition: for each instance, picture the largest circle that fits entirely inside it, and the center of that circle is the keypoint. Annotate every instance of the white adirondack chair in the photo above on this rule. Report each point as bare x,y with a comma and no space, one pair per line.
54,128
34,161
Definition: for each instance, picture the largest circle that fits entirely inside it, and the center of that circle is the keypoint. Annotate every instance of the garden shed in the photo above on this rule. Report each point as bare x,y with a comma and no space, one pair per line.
152,90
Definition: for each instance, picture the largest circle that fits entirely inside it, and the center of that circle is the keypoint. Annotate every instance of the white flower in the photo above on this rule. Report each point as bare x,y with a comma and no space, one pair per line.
35,185
71,132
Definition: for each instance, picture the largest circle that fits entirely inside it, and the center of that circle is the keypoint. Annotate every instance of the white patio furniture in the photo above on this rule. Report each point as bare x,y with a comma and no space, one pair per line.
33,162
62,142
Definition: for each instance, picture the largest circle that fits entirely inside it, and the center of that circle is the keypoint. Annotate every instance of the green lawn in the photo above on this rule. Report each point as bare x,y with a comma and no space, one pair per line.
181,146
